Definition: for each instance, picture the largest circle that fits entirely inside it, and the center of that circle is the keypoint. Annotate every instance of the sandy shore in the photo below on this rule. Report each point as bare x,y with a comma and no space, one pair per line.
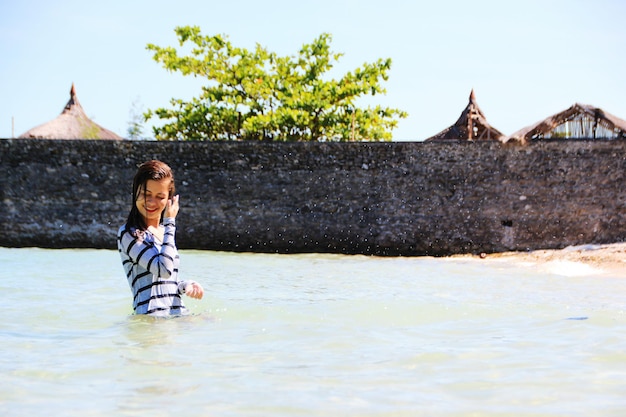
610,258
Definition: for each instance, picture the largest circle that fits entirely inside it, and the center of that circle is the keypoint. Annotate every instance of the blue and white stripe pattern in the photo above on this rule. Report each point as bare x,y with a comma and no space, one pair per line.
152,270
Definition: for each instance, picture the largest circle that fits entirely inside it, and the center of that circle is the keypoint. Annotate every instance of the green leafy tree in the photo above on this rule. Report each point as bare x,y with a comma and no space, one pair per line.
257,95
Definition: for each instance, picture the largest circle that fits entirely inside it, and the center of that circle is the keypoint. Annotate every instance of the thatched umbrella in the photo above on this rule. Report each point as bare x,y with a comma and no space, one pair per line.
578,121
472,125
72,123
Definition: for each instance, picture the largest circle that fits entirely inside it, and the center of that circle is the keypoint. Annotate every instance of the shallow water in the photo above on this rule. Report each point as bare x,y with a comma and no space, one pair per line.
314,335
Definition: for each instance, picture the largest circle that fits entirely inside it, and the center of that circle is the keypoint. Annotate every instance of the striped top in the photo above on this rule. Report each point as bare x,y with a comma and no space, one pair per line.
151,268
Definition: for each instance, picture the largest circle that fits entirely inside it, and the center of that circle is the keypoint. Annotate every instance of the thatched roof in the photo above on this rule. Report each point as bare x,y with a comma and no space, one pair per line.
72,123
578,121
472,125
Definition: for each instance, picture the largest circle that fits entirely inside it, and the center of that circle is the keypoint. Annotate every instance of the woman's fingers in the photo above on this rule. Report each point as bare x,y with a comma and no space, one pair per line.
171,210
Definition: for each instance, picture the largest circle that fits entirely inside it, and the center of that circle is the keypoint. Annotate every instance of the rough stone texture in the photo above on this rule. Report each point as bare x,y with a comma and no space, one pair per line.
370,198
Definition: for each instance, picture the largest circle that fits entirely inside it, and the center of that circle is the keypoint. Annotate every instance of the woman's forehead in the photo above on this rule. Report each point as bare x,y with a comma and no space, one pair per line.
160,186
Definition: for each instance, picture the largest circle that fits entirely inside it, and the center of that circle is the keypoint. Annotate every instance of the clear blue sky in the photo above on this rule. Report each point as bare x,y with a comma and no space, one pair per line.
526,60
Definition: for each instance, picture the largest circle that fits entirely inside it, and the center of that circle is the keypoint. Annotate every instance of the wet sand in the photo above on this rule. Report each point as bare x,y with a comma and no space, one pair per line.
609,258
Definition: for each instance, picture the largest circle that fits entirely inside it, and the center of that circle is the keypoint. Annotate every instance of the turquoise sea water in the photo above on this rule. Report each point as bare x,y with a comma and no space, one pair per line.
314,335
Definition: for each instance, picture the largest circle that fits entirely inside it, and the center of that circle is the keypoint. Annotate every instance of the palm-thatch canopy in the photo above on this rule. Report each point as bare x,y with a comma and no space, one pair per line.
72,123
580,121
472,125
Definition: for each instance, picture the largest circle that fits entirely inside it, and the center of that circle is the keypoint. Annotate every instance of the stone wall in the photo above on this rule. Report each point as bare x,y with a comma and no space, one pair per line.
370,198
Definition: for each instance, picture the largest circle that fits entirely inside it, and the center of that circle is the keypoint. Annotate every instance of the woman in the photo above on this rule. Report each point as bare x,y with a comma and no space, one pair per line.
147,245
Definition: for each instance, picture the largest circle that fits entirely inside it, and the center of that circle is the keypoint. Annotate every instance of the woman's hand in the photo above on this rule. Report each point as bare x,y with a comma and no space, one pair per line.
171,209
194,290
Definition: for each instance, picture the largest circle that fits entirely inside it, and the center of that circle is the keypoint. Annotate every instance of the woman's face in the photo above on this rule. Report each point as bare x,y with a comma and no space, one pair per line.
152,201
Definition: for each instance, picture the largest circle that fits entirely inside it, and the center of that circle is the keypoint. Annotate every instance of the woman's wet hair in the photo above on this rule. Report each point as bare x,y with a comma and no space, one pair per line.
150,170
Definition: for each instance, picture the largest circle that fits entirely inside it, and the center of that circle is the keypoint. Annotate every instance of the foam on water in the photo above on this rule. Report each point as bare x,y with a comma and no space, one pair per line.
571,269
